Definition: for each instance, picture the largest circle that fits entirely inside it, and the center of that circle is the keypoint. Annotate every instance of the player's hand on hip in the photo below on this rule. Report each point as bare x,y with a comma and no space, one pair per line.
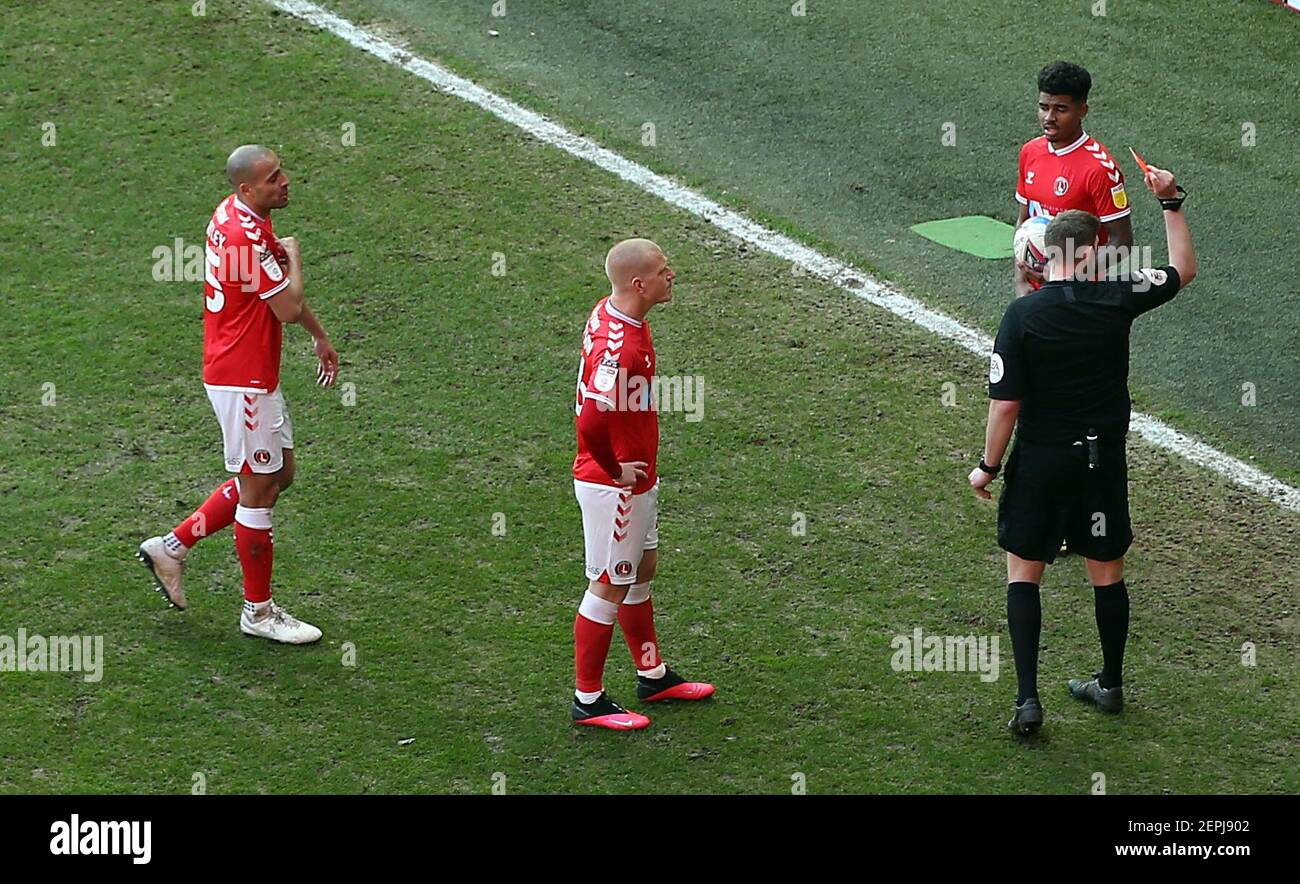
633,472
979,480
327,368
1161,182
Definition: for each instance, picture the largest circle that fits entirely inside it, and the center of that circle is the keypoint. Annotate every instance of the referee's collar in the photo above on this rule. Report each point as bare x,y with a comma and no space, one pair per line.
1083,139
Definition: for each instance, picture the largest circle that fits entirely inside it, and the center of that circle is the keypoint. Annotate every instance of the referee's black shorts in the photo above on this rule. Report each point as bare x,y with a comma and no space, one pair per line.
1049,495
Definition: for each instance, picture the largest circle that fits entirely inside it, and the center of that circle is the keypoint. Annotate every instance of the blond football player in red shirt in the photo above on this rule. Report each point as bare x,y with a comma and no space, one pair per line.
1065,168
253,285
617,486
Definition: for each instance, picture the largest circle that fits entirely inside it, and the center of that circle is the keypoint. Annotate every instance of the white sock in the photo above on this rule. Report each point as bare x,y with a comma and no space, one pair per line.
586,698
253,516
173,546
598,610
658,672
253,609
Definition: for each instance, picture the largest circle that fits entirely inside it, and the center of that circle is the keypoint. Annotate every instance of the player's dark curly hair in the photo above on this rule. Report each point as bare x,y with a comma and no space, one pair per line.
1065,78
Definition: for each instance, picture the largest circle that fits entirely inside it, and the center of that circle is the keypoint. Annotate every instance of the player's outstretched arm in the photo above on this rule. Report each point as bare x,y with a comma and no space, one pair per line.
1182,255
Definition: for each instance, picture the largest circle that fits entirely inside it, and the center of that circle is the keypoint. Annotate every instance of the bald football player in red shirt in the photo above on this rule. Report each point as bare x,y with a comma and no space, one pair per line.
616,481
1065,168
253,285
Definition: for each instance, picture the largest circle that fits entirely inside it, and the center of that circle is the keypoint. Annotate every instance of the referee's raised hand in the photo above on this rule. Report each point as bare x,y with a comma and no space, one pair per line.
1161,182
1182,256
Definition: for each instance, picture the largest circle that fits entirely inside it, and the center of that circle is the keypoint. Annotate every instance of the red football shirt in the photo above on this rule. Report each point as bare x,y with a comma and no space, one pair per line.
244,265
615,377
1081,176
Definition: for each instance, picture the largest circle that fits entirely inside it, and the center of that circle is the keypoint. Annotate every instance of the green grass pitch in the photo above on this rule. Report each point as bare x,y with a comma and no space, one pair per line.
816,404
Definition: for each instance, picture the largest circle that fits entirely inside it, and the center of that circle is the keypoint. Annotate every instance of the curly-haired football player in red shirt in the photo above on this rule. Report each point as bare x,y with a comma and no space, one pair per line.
1065,168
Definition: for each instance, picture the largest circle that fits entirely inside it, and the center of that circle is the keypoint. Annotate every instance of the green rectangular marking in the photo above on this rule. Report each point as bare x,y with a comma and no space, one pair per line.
977,235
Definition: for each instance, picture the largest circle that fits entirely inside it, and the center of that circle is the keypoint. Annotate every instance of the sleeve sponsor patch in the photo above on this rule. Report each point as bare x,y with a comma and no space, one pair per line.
1119,196
270,265
996,368
606,374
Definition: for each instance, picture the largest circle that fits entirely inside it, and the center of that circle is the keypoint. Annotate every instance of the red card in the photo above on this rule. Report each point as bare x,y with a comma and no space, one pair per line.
1141,162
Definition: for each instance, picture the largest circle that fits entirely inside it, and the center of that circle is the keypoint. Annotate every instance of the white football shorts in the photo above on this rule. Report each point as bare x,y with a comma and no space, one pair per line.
617,527
255,429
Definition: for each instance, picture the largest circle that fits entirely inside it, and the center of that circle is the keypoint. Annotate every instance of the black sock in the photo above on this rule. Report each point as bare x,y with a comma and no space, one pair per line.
1025,620
1112,626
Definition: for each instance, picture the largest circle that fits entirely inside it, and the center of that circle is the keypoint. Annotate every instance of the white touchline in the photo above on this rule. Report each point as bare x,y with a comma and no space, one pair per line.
845,276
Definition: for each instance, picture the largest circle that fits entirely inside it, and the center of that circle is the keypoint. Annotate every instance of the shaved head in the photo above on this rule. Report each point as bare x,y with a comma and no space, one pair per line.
259,180
640,276
630,259
241,165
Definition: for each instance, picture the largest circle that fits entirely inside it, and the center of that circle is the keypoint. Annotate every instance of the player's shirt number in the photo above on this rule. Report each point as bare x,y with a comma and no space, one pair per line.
217,299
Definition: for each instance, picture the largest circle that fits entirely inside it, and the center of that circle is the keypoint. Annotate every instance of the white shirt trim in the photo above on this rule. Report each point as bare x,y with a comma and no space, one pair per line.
275,291
1105,219
239,204
1083,139
620,315
612,486
261,390
1020,199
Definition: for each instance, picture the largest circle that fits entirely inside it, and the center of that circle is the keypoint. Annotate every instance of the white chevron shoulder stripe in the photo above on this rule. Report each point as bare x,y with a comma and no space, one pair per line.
837,272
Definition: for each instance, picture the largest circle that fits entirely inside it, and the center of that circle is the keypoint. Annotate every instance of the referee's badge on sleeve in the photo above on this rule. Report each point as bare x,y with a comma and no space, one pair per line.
996,368
1156,277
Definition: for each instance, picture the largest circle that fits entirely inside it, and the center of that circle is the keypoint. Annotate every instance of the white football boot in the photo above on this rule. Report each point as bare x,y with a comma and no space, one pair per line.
278,625
166,570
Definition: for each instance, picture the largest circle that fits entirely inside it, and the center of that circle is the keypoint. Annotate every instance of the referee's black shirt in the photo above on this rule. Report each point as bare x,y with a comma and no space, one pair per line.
1063,352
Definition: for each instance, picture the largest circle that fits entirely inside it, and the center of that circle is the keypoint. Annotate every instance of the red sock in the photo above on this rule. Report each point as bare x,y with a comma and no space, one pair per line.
256,551
638,624
590,648
217,512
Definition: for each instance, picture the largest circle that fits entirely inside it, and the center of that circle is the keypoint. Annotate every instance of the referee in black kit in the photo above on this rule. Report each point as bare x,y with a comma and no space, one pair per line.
1059,371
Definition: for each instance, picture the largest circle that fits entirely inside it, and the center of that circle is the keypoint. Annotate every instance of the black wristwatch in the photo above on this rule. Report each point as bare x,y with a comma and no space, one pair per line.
1173,205
992,471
